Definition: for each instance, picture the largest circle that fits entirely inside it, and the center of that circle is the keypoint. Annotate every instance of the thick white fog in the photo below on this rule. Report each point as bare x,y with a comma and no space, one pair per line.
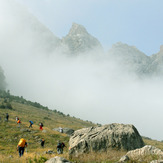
89,87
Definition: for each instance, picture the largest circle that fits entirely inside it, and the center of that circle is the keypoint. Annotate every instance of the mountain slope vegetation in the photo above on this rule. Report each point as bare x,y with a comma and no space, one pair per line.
11,133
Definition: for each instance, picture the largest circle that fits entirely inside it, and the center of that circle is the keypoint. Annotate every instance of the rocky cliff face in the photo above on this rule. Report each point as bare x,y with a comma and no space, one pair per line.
79,40
130,58
157,62
118,136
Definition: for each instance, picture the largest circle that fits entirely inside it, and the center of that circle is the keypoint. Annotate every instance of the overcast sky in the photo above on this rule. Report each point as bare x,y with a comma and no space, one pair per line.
135,22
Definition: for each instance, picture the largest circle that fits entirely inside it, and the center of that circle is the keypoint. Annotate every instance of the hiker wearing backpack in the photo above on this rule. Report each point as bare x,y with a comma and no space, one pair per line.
60,147
21,146
42,142
7,117
60,129
30,124
18,122
41,126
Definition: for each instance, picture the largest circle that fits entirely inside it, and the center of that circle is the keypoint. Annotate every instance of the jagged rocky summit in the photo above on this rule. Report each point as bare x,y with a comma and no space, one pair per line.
78,40
27,35
116,136
131,59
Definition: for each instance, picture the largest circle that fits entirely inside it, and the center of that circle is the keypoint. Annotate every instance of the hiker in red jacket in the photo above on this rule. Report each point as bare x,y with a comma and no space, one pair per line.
41,125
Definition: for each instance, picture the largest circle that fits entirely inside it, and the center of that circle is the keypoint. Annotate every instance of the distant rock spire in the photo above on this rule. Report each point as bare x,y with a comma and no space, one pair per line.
77,29
79,40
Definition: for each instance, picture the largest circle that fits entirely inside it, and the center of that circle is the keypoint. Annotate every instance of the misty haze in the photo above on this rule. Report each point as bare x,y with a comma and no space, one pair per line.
75,75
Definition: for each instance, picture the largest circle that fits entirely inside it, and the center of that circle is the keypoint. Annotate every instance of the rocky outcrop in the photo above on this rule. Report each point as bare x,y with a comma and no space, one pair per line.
117,136
79,40
57,159
130,58
146,150
143,152
67,131
124,159
157,62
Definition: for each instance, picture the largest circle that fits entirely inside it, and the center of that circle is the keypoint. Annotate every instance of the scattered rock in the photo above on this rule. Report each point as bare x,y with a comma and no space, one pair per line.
124,159
157,161
44,131
10,156
50,152
15,138
25,130
118,136
56,129
58,159
37,137
33,132
147,150
67,131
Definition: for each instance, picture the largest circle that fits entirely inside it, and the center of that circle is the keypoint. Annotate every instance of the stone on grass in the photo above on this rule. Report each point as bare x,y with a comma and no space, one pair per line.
58,159
115,136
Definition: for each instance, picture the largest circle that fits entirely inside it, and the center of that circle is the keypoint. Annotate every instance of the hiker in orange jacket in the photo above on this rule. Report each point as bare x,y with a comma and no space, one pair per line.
18,122
21,145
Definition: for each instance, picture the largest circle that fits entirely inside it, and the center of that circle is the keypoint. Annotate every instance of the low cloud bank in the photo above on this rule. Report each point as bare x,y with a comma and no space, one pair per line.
91,87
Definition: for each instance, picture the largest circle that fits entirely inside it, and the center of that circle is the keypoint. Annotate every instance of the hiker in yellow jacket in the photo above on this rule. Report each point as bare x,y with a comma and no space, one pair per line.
21,145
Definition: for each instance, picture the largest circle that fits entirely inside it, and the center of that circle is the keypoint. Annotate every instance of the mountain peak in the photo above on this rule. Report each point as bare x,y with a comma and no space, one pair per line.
77,29
79,40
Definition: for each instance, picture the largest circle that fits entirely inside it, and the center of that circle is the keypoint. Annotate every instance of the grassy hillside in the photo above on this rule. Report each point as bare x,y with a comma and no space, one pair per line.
10,132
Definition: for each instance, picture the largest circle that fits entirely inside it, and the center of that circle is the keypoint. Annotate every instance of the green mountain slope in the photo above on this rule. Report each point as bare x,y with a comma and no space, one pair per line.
11,133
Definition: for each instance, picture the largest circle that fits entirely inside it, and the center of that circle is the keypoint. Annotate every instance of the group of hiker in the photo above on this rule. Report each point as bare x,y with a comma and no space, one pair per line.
30,123
23,143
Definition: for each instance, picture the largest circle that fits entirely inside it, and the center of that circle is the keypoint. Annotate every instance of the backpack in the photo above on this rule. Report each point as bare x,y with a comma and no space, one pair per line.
63,145
18,121
31,122
59,145
22,143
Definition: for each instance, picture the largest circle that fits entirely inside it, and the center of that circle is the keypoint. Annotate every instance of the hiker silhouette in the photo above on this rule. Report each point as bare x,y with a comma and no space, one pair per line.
30,124
41,126
7,117
60,147
21,146
42,142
